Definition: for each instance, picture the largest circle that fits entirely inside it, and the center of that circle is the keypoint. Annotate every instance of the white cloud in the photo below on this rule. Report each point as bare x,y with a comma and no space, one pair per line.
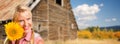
87,18
85,13
82,25
86,10
101,4
110,20
114,19
107,20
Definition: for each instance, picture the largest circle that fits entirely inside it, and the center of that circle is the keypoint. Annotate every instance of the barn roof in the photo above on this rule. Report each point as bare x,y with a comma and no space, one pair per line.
7,8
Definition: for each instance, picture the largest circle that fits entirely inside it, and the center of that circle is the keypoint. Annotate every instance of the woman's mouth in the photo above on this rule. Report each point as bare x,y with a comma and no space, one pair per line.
26,28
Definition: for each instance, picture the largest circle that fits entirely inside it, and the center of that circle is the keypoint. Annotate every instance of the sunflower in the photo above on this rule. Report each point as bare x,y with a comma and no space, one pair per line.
13,31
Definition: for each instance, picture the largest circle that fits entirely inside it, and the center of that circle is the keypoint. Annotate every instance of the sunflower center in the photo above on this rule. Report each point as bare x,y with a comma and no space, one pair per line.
13,31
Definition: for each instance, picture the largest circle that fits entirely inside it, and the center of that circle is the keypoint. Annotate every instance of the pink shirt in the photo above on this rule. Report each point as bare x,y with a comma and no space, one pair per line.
37,39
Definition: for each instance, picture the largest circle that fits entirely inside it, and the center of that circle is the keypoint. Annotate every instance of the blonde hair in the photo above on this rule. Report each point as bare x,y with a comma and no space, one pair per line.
20,9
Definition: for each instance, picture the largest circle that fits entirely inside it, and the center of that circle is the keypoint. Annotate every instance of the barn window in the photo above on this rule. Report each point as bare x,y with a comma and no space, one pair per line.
72,26
59,2
9,21
33,3
39,27
6,21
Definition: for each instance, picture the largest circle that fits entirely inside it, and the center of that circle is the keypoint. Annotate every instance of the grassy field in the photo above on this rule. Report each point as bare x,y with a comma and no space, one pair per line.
84,41
81,41
1,42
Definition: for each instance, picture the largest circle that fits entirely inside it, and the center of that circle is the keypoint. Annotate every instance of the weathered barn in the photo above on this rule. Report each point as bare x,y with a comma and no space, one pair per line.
53,19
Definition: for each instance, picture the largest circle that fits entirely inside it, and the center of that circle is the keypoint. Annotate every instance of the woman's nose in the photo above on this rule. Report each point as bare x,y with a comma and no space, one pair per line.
25,23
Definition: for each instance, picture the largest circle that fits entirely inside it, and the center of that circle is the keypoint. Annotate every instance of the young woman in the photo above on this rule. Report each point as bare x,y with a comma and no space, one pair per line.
23,16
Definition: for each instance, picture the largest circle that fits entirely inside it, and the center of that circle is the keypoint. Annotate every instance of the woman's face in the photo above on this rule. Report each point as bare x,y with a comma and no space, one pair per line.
25,20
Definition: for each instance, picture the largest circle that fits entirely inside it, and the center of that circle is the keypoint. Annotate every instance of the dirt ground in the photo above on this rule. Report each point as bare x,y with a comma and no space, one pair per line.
84,41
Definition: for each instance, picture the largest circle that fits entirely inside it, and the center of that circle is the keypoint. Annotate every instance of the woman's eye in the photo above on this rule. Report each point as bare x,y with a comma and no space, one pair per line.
20,20
28,18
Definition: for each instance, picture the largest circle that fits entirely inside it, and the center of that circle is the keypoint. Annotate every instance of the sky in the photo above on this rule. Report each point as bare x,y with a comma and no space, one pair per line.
102,13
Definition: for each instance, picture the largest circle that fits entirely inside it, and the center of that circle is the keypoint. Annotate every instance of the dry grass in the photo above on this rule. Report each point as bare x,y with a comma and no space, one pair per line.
81,41
84,41
1,41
